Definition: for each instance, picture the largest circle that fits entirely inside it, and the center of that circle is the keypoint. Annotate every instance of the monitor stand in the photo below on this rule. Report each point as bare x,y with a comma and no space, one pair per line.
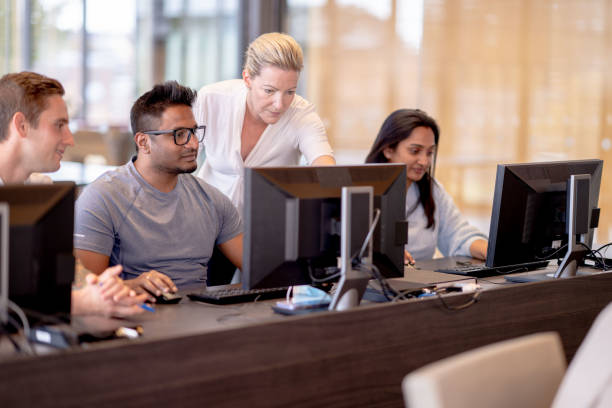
356,220
577,221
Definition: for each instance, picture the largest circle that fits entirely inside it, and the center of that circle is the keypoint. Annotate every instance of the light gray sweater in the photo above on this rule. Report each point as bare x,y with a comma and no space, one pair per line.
451,234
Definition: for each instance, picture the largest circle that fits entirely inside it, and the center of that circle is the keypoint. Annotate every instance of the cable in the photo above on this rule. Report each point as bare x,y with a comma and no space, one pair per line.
57,318
494,283
24,320
386,289
552,255
354,259
404,294
24,323
603,246
15,344
368,237
597,258
593,253
15,324
393,295
600,260
604,264
517,270
337,273
390,293
6,332
469,303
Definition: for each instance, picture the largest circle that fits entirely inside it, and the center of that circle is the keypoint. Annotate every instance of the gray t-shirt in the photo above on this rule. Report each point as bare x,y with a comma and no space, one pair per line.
141,228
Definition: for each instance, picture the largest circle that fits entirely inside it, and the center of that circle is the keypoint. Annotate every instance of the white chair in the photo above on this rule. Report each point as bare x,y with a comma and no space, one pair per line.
588,381
523,372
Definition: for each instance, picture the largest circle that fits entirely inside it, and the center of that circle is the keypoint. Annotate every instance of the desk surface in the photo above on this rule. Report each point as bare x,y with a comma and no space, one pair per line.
196,353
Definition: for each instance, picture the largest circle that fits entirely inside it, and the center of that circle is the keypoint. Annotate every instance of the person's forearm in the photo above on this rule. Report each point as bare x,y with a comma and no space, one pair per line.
92,261
81,303
478,249
325,160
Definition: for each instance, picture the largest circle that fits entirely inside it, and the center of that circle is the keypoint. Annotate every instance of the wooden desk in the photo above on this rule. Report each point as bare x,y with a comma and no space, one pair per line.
201,355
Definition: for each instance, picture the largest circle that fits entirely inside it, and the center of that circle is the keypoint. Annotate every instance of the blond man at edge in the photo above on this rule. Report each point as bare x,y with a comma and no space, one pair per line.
259,120
34,134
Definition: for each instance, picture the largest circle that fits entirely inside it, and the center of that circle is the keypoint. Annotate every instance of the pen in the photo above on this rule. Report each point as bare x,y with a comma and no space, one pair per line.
146,307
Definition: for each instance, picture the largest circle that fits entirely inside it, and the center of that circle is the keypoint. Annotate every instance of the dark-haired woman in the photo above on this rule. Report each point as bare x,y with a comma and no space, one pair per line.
410,136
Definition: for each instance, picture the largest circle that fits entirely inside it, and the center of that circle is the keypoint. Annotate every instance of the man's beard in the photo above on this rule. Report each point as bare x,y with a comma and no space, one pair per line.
177,170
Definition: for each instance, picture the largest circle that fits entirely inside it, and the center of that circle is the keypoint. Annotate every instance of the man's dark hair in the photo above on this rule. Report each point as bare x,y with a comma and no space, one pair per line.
148,109
25,92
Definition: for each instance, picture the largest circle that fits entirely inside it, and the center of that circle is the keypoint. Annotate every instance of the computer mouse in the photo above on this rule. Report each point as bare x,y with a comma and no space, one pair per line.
167,298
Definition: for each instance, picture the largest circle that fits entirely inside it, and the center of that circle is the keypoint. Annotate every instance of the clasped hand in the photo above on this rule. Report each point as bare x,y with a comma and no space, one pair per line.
107,295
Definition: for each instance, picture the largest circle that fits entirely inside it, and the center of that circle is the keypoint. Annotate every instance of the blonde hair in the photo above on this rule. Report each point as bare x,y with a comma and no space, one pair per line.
276,49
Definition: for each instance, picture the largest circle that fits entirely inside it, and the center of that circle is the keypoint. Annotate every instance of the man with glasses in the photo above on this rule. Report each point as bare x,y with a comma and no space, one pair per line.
151,216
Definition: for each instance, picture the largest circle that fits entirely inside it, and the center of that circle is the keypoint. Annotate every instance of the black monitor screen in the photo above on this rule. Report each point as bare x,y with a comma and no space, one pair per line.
41,263
292,221
528,221
4,229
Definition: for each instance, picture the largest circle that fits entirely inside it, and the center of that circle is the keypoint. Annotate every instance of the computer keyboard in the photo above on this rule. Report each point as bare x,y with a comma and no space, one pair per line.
482,271
237,295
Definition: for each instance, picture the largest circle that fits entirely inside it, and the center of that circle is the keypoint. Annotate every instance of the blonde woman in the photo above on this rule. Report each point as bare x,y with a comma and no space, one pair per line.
259,120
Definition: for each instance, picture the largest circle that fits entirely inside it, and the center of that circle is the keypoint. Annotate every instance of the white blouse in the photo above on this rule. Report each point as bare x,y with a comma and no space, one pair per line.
221,108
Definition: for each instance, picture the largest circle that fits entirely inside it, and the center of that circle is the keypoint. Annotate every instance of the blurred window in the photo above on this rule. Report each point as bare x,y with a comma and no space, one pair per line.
507,81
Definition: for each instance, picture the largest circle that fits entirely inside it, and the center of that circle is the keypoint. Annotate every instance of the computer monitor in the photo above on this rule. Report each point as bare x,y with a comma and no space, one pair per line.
531,207
292,221
4,237
41,263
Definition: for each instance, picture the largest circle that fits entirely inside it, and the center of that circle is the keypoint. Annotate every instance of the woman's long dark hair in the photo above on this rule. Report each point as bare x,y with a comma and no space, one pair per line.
397,127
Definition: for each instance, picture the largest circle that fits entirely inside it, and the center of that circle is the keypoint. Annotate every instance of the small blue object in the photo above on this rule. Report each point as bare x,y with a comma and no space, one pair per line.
304,295
148,308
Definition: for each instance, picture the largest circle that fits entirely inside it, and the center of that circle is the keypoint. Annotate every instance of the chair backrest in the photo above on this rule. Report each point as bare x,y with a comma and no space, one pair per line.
588,381
522,372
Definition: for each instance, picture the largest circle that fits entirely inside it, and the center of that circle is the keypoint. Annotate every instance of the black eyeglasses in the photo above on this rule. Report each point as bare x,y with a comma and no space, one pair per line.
182,136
